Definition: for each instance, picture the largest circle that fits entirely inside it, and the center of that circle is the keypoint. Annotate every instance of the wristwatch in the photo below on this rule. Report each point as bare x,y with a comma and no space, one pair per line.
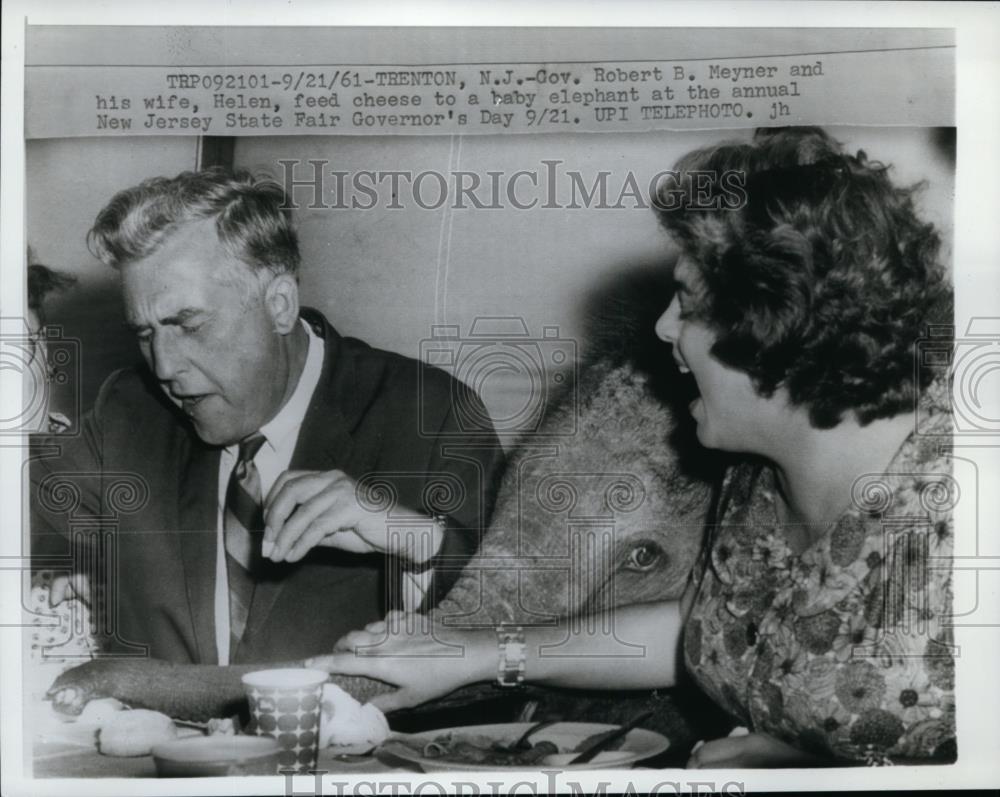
510,667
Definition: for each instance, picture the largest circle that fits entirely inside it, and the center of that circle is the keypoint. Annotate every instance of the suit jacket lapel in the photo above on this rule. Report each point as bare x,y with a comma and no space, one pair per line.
324,440
198,521
324,443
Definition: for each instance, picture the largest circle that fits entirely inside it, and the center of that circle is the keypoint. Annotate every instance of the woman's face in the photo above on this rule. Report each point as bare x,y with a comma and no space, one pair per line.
730,414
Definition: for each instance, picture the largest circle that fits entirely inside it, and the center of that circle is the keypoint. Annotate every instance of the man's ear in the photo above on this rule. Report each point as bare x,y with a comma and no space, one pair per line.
282,301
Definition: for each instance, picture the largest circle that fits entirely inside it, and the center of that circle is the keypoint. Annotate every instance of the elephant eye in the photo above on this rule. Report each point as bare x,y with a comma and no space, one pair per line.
644,556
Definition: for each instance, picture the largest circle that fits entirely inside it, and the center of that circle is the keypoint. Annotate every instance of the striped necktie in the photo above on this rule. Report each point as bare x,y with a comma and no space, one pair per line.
243,527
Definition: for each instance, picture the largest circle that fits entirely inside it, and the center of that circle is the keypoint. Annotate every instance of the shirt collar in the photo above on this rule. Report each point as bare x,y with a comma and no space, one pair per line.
285,425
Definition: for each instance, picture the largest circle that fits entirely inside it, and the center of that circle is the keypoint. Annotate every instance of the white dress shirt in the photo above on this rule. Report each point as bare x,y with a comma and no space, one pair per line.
280,436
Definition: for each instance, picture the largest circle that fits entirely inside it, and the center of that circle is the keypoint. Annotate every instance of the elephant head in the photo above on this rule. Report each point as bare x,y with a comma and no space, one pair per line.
602,517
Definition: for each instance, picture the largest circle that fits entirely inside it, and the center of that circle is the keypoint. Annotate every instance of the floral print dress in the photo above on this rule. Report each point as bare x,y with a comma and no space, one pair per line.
844,649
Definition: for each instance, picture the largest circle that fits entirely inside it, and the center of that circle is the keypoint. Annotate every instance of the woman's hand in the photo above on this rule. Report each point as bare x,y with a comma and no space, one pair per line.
753,750
415,653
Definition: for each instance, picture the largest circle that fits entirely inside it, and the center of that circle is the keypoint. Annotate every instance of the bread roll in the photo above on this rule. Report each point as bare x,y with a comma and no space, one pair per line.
133,733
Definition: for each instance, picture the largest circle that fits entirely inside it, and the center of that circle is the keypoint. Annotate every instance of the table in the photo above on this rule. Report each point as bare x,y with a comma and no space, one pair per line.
49,761
60,750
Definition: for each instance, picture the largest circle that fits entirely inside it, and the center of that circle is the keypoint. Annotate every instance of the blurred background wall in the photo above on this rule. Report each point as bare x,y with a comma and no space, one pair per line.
390,276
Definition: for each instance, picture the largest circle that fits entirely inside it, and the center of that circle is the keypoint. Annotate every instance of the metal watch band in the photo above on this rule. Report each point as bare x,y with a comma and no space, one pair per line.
511,663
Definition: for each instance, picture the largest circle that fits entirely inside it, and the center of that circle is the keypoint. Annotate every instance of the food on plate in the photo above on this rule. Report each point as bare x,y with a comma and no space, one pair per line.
217,756
133,733
221,727
463,748
100,711
608,758
346,725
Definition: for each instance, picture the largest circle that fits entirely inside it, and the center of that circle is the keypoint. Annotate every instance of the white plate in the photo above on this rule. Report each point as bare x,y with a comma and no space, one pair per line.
637,745
50,726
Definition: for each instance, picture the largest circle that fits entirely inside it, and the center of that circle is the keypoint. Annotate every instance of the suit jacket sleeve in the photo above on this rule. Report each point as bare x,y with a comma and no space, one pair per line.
473,454
66,481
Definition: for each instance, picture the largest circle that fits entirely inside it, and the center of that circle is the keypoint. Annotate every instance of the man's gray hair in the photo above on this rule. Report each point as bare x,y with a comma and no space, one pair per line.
251,218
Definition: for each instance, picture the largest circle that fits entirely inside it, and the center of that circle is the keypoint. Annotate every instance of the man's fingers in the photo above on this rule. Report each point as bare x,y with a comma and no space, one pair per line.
305,510
311,521
283,491
328,529
290,489
316,534
283,478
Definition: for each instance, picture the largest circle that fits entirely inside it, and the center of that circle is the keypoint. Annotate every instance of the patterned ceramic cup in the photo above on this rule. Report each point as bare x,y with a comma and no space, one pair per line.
285,704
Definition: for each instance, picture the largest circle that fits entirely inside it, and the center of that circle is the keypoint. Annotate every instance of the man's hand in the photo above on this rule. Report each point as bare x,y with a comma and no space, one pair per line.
417,654
752,750
309,508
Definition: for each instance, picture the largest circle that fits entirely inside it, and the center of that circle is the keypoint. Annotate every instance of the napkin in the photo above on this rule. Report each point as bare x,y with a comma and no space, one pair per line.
348,726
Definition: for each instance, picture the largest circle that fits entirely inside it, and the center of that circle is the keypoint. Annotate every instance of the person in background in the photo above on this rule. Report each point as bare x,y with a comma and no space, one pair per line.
49,589
42,281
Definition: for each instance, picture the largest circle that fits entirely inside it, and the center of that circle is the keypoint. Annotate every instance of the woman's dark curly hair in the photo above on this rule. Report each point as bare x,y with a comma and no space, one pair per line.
821,281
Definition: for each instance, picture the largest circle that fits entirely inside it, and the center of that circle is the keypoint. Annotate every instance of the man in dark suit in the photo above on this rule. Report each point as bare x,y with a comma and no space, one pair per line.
265,485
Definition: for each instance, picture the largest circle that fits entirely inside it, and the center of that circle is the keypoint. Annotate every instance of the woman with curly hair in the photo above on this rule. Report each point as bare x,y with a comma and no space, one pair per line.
817,614
819,611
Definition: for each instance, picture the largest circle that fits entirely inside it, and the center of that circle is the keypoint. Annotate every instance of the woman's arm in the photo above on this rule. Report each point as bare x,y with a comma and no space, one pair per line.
637,651
752,751
633,648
